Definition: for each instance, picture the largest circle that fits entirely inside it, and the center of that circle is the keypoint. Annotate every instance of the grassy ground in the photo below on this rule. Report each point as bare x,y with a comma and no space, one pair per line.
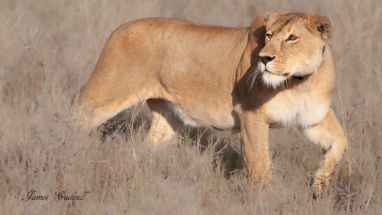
47,52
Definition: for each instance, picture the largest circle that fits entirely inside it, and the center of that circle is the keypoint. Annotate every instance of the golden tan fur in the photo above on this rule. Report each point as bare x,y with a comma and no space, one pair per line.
212,76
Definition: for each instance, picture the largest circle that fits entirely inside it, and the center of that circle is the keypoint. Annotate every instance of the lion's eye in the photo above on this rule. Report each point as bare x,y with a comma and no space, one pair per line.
291,38
268,36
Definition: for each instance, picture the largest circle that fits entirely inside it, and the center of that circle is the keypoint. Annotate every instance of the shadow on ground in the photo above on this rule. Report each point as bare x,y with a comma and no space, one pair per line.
227,146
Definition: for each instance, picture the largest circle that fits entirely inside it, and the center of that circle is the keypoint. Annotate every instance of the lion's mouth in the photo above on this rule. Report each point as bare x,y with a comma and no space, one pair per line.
288,75
300,77
285,74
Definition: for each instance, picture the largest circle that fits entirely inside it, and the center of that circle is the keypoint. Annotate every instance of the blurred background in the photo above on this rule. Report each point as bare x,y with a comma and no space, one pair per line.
48,49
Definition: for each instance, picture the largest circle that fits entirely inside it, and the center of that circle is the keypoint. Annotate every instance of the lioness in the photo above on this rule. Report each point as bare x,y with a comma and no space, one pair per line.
277,72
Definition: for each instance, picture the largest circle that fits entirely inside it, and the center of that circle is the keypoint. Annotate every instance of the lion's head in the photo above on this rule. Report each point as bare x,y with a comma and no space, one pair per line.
294,46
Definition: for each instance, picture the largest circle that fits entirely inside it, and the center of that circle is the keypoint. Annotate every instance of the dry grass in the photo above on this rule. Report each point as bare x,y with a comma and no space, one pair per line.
47,52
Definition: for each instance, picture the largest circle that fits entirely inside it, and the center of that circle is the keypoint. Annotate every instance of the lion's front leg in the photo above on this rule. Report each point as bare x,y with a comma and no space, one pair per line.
254,132
329,136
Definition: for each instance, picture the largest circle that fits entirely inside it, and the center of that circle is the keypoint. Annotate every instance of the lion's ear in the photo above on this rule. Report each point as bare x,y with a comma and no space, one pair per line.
323,24
271,18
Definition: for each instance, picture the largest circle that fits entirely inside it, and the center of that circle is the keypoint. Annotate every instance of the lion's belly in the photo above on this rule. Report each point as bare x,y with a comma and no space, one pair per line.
203,116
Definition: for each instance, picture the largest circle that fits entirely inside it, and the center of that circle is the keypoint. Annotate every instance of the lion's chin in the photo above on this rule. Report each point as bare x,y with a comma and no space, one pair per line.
273,80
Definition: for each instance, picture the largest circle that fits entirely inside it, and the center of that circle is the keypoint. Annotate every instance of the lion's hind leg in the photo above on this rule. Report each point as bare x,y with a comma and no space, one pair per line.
329,136
91,112
164,123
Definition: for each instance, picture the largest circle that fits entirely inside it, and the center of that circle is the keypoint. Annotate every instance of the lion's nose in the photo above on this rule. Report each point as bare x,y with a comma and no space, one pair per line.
266,59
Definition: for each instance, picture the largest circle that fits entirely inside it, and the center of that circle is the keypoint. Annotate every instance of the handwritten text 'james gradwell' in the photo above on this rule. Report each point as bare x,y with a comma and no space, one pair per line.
31,195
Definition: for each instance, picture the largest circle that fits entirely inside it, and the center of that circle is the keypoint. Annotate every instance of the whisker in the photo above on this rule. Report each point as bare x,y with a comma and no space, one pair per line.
254,74
252,69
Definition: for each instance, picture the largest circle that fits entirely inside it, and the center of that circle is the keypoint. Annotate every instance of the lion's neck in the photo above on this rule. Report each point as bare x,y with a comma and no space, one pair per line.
324,77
